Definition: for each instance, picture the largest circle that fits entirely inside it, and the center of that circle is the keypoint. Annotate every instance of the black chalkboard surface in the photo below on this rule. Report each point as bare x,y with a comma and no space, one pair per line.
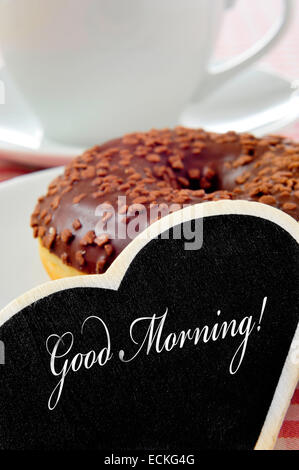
187,354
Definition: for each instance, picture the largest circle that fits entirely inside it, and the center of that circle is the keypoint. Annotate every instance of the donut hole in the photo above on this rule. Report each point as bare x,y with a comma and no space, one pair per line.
205,178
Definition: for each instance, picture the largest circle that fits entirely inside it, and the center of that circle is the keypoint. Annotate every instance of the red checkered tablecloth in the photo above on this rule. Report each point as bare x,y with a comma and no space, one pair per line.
242,26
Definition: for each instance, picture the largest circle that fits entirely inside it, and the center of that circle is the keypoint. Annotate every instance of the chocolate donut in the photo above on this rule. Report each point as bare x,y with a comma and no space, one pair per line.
143,171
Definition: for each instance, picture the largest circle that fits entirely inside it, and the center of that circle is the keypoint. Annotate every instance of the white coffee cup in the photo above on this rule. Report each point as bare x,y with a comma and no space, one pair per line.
95,69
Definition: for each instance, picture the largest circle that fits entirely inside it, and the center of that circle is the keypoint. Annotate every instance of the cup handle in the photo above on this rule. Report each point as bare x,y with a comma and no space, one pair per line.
218,74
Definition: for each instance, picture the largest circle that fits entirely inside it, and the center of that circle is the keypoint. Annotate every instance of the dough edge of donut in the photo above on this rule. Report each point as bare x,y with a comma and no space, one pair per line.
54,266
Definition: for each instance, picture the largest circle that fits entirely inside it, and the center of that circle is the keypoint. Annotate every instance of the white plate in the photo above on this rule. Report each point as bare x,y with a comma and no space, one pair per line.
20,266
256,101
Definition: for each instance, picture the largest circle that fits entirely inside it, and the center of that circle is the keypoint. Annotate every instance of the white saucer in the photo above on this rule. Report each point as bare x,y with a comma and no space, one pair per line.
256,101
20,266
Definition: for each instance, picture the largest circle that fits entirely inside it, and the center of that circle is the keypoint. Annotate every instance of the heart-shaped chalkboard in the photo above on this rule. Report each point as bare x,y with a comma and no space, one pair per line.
192,351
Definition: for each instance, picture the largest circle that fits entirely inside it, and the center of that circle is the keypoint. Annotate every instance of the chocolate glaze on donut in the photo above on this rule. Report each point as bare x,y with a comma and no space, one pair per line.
180,166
